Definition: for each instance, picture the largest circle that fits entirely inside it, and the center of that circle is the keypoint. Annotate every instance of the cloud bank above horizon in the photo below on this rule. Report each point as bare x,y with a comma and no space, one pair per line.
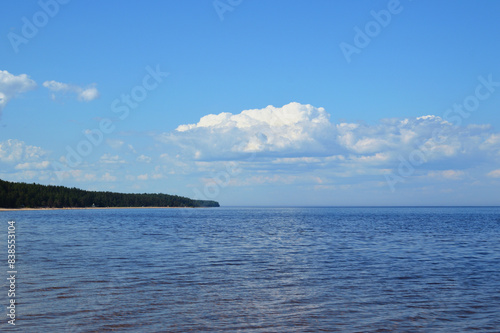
296,146
304,131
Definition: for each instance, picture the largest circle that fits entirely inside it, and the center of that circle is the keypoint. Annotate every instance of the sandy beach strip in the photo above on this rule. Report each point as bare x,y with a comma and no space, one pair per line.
79,208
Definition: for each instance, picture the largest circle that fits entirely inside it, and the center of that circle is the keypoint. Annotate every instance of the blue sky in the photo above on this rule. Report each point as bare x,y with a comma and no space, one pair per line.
255,102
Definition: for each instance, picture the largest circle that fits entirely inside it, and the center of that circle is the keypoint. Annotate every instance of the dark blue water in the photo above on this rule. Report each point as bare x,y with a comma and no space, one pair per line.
256,270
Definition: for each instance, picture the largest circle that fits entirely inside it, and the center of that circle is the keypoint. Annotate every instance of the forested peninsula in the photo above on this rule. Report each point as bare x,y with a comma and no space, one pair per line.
23,195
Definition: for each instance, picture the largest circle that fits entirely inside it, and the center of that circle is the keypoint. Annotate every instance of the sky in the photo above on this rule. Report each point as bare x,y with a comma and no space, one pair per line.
310,103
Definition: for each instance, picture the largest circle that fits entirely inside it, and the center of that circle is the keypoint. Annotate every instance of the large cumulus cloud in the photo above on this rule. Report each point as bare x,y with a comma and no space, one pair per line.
305,132
291,129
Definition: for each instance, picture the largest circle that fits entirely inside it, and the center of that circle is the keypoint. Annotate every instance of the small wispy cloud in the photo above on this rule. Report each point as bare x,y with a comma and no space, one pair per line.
144,159
83,94
143,177
494,173
110,159
447,174
107,177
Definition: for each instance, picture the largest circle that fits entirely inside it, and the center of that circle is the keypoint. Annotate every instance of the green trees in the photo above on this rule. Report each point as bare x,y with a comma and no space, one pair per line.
22,195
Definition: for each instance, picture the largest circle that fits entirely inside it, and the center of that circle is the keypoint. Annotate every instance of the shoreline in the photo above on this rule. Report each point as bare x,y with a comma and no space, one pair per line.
81,208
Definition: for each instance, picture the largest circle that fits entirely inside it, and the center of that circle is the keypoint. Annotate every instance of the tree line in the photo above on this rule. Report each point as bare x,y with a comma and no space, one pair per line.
23,195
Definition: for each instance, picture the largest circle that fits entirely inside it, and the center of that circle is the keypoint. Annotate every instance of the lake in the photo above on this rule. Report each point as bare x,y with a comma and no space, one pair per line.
352,269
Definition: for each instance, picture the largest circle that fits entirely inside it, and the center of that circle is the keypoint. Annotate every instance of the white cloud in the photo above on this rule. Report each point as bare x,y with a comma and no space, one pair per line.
263,179
15,151
491,143
295,160
32,165
376,158
275,144
90,177
447,174
494,173
109,159
88,94
144,159
157,176
304,133
83,94
107,177
295,147
13,85
132,149
115,143
293,127
143,177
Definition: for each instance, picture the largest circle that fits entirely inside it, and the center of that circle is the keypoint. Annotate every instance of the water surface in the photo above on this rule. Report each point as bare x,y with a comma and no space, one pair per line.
257,270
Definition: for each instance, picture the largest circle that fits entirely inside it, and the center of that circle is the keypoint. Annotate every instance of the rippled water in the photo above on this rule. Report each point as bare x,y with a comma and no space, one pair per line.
256,270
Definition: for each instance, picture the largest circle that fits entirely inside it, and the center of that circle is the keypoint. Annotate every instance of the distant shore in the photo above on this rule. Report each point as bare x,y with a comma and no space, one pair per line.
78,208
